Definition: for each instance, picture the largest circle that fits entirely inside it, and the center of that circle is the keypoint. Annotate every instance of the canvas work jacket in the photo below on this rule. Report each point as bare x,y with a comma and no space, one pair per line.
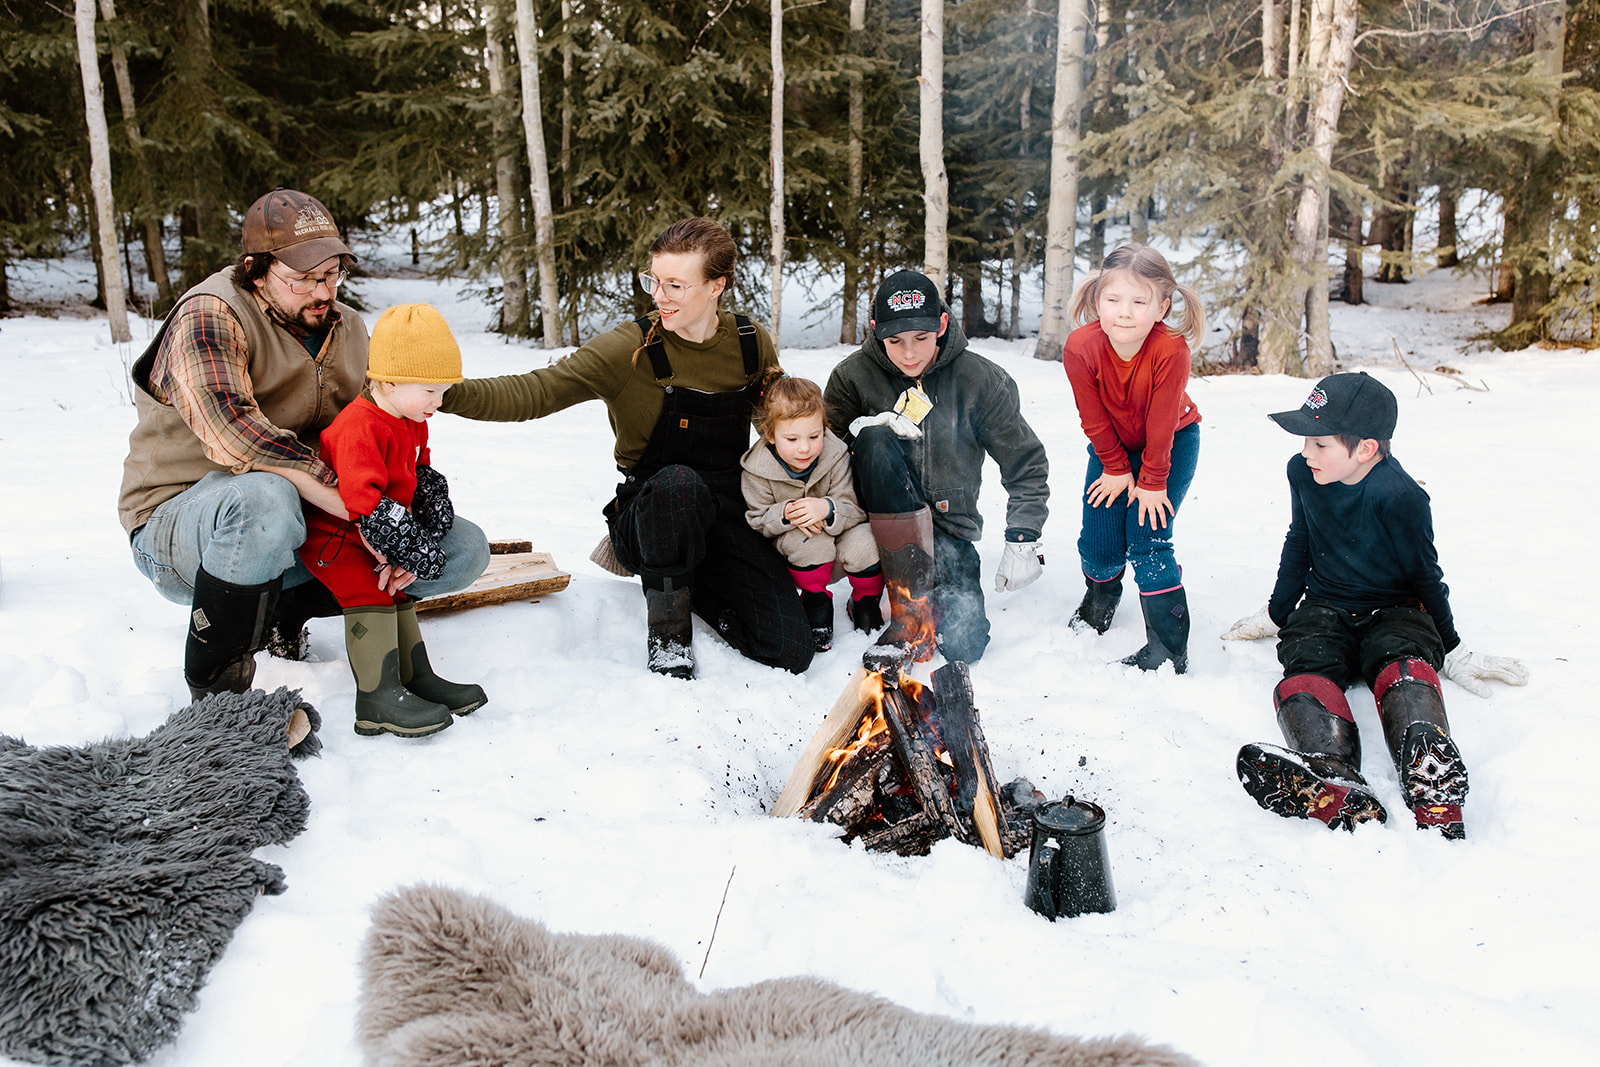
768,487
976,412
270,411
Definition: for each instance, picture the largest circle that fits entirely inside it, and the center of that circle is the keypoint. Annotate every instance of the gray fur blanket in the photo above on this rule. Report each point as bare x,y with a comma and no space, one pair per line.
125,866
452,980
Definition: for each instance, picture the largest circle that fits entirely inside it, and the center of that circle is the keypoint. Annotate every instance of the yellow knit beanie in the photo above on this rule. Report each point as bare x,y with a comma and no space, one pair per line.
411,343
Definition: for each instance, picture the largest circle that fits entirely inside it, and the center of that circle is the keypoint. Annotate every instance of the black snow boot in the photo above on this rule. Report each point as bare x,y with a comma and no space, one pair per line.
1432,774
383,704
819,613
416,672
1319,775
1166,632
670,621
905,552
288,638
1099,605
227,627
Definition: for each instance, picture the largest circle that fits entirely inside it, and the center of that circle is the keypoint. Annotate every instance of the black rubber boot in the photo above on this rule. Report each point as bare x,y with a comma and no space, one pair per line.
1319,775
1166,632
1099,605
416,673
288,638
905,552
866,613
819,613
670,621
1432,774
227,627
383,704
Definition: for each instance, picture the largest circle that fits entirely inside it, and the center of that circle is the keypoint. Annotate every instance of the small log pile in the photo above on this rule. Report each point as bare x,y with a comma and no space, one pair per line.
902,766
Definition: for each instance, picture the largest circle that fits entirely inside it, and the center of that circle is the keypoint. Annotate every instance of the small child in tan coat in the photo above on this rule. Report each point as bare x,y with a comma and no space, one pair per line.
799,492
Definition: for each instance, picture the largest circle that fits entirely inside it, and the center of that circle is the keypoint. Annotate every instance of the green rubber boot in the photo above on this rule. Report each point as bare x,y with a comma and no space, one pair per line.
416,673
383,704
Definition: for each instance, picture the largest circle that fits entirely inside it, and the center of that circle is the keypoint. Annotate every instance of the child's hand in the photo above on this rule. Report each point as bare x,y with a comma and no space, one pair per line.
1152,503
808,514
1105,490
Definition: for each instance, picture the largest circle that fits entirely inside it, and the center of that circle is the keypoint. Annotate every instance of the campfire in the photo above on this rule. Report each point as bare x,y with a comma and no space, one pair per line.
900,766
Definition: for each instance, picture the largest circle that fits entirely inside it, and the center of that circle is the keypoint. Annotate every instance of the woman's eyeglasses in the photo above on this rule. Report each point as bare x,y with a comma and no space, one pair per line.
651,283
307,286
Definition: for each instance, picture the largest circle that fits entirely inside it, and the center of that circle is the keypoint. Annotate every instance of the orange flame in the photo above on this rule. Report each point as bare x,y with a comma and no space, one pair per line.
915,616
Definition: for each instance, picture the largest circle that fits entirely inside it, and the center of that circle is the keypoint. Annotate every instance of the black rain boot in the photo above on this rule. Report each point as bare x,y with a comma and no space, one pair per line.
1432,774
383,705
819,613
1099,605
1319,775
227,627
1166,632
905,552
288,638
670,621
416,673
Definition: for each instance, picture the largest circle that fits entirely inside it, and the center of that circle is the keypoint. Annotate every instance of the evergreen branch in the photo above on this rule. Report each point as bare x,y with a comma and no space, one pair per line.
1475,28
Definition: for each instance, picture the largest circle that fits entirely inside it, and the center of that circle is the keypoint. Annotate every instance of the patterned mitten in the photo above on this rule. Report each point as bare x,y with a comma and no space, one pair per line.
431,505
391,530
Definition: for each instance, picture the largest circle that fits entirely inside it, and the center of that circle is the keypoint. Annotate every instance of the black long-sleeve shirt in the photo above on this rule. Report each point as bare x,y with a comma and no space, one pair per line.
1361,547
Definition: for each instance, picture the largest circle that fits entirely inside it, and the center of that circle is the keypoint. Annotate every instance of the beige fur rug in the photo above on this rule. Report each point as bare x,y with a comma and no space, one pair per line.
455,980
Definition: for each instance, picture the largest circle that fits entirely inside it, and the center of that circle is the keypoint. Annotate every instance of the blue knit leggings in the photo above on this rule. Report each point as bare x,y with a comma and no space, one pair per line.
1112,535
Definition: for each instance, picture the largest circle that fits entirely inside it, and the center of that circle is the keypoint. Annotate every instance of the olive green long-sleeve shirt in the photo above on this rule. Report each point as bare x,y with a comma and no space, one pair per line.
606,369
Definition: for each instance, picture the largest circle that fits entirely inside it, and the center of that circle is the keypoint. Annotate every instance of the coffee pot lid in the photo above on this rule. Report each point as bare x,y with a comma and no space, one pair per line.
1070,816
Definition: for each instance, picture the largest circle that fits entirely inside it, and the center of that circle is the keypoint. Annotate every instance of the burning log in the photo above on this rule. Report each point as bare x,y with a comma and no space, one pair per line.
902,766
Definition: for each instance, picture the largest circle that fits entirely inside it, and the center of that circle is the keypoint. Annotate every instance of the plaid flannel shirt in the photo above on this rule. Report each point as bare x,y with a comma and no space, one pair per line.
203,370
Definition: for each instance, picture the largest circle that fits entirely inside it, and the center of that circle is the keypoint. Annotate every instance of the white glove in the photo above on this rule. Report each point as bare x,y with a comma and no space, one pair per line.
897,422
1470,670
1252,628
1020,566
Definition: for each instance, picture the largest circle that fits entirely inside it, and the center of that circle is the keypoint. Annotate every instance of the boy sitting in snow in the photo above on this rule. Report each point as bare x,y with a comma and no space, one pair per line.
1360,549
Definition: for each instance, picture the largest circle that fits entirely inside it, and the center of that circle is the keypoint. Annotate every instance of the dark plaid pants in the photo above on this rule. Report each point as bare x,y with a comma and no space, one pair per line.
675,531
1320,638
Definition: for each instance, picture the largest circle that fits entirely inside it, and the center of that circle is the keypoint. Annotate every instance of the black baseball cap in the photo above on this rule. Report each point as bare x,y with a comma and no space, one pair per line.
1353,404
907,300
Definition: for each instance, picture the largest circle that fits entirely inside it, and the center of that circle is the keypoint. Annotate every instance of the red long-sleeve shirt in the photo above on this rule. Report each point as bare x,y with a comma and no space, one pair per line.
1131,405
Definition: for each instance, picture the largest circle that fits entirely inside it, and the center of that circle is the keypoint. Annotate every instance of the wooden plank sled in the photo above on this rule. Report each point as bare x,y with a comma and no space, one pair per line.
515,572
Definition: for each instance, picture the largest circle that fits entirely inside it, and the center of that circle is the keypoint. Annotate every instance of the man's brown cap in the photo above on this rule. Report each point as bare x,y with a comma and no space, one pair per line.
295,228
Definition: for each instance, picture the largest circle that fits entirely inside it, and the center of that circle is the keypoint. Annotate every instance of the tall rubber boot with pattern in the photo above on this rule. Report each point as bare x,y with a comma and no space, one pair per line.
905,553
416,673
227,626
383,704
669,620
1432,774
1099,605
1319,775
1166,631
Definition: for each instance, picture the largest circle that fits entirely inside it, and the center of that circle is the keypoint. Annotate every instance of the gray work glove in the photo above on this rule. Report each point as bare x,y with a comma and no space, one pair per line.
1020,566
902,426
1252,628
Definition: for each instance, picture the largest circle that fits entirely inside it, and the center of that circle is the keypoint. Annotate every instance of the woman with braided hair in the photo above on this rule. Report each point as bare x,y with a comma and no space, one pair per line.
680,386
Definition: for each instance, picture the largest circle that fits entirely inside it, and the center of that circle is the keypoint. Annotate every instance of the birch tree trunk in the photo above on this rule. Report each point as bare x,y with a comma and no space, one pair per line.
155,256
1271,38
94,113
935,182
1062,219
1306,294
849,326
775,208
544,226
513,279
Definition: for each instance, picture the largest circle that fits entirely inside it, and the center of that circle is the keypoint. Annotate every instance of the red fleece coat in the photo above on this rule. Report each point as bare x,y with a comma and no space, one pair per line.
376,455
1133,406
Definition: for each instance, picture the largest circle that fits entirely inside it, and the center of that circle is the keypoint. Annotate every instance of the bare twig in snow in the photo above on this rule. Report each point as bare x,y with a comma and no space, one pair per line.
713,939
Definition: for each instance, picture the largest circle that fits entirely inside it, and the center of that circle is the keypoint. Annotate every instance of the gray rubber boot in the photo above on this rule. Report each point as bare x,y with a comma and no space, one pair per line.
416,673
1166,631
670,630
905,552
383,704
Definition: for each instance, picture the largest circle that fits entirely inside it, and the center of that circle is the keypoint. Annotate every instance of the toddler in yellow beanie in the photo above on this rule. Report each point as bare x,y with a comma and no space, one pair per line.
400,516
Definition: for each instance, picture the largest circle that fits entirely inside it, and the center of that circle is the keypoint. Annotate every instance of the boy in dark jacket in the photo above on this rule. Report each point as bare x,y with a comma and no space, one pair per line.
1376,609
920,411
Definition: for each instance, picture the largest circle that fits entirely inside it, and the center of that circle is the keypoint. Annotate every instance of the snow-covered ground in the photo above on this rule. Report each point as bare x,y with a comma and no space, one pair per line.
598,797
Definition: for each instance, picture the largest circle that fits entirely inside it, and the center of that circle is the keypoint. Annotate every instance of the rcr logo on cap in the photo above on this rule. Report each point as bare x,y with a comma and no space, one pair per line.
907,300
1317,399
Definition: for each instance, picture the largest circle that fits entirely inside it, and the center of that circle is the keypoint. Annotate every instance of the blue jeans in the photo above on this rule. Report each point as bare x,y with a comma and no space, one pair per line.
1112,535
245,529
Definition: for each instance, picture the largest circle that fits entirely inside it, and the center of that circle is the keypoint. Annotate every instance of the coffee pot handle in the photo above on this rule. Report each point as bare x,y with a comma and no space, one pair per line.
1049,859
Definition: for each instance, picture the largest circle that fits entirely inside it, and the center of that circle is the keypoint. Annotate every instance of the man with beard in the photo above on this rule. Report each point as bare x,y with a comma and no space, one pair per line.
232,397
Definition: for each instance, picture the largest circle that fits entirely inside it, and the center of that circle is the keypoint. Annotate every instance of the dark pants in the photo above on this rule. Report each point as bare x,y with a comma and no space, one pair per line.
675,531
1112,535
886,483
1322,639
